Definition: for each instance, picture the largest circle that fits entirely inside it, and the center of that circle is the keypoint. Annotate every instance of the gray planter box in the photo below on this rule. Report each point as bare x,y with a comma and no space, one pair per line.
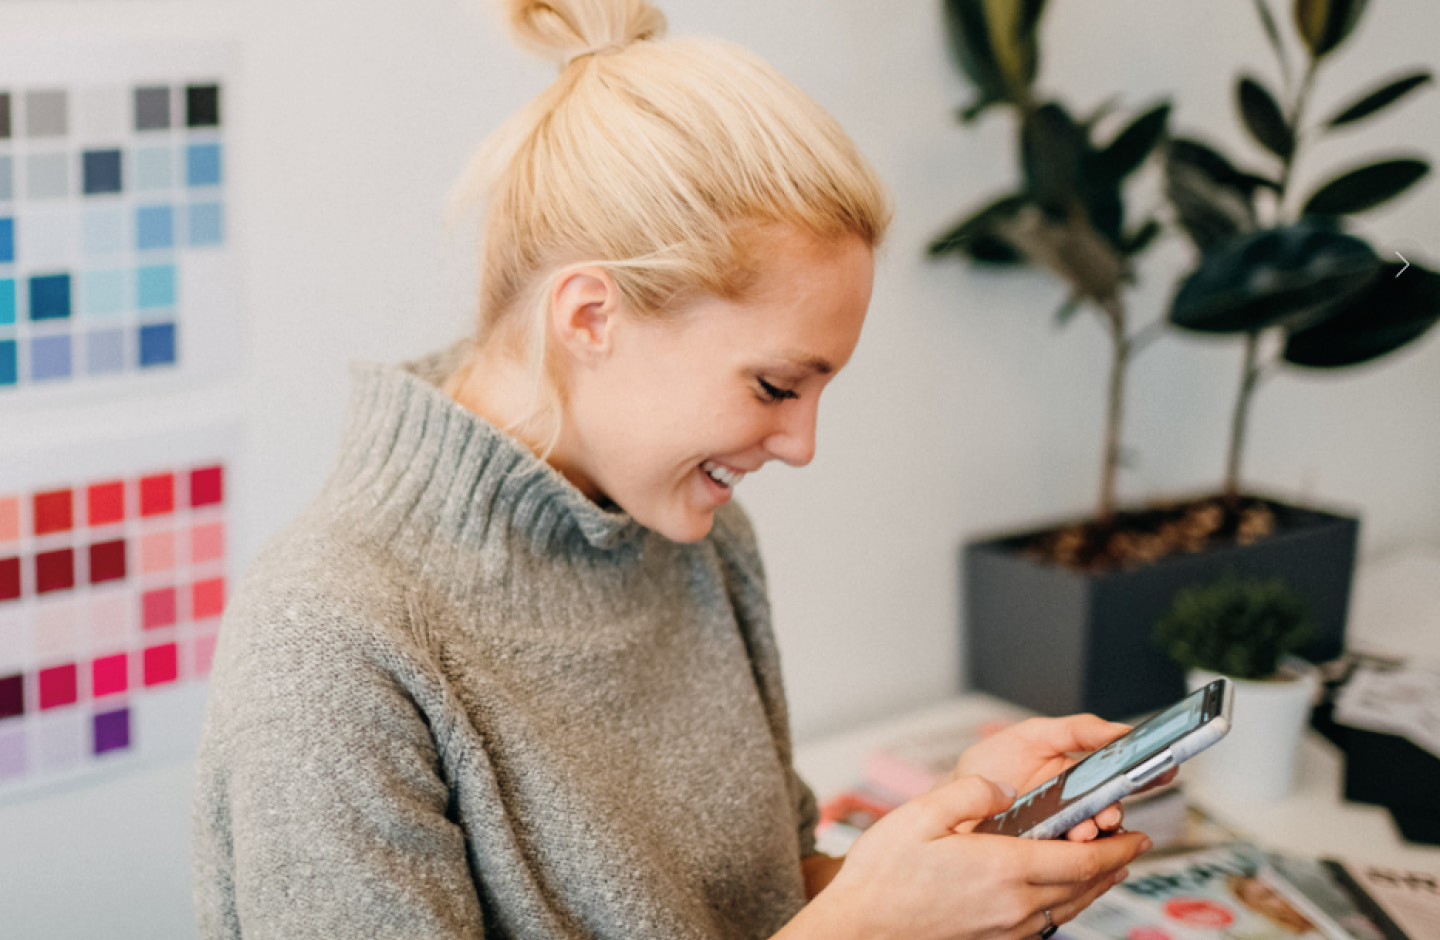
1059,641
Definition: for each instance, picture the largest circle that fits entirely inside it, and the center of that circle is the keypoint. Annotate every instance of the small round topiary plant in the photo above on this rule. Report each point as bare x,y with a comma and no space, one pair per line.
1238,627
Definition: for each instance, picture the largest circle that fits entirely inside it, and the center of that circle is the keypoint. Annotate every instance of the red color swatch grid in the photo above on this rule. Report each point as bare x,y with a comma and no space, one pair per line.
109,589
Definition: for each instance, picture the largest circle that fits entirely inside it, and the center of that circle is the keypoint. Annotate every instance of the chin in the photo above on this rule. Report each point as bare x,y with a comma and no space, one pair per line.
688,527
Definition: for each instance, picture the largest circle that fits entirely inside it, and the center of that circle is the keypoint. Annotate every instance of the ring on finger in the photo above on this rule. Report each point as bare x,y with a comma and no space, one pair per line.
1050,926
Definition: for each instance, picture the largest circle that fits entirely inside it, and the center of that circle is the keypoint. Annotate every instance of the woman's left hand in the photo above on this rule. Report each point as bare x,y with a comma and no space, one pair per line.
1029,753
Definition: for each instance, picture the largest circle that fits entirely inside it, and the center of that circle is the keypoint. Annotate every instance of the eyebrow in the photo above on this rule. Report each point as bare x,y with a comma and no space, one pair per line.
817,364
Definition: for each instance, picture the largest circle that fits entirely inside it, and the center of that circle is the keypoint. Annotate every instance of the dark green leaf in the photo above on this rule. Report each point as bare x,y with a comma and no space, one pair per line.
1393,312
995,46
1324,24
1381,97
969,42
1141,238
1272,33
1365,187
1054,151
1289,276
976,235
1132,145
1263,117
1212,199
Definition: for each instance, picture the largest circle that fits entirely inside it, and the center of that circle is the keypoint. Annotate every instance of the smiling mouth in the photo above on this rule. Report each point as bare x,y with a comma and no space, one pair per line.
721,474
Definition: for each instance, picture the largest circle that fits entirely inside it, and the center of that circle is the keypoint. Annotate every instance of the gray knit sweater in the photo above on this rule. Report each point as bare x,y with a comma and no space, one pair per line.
457,699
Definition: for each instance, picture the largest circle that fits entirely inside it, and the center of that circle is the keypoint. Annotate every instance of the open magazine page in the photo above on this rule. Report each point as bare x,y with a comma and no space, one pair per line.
1407,903
1212,894
1309,886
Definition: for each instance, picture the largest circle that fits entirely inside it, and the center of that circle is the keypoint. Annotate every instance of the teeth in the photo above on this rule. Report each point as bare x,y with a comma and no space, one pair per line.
722,475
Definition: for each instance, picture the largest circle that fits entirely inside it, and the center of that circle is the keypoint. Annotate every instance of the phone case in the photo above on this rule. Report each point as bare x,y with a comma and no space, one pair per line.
1124,784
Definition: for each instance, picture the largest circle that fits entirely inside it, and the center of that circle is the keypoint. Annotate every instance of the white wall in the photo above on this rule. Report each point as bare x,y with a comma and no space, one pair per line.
964,411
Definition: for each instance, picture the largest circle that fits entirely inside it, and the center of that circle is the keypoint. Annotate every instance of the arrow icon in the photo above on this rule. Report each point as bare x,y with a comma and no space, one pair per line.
1407,264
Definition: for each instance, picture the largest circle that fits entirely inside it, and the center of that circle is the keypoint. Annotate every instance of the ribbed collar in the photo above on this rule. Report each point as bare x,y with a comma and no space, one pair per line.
416,468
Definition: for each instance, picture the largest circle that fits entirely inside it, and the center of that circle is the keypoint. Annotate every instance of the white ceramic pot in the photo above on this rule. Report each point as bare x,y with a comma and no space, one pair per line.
1255,762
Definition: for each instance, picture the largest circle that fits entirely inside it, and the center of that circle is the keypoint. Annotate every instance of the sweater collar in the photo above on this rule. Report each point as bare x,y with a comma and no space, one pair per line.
422,466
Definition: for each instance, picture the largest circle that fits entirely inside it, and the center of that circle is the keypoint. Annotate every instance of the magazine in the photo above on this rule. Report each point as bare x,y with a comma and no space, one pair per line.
1308,885
1404,904
1214,893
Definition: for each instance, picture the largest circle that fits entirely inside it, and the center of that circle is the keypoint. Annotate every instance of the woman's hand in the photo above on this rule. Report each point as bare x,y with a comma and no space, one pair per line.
1029,753
915,875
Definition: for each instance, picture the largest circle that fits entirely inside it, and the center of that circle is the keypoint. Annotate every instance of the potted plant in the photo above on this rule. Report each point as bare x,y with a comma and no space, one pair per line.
1248,630
1060,618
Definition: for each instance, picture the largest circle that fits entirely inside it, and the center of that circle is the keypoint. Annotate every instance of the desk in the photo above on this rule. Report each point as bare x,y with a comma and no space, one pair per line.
1396,610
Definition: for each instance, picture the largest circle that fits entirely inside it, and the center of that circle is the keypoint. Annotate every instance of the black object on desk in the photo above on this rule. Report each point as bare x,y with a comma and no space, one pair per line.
1390,771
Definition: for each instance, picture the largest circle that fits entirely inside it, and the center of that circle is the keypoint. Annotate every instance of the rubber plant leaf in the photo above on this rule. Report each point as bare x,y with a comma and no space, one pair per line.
1292,276
977,235
1381,97
968,32
1263,117
1053,152
1212,199
1365,187
1399,307
1123,155
1324,24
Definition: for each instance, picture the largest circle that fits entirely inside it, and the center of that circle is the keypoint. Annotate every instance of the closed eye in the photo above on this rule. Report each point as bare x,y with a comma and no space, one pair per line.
773,393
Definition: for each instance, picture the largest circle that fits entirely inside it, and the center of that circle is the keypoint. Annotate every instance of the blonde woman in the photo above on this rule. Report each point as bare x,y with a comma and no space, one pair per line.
512,673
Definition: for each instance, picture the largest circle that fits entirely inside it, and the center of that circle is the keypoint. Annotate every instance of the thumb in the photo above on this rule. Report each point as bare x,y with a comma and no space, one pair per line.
966,799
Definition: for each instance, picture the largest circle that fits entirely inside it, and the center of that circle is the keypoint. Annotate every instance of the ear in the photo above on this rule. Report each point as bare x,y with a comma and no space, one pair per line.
584,308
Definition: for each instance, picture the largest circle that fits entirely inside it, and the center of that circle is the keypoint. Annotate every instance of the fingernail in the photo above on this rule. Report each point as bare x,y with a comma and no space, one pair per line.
1121,875
1145,845
1008,790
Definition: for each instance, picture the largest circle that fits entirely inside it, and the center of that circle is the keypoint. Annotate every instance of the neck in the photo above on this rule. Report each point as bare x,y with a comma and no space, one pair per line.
497,386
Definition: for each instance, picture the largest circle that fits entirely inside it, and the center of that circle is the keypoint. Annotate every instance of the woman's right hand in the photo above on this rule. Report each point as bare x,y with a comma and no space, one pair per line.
919,874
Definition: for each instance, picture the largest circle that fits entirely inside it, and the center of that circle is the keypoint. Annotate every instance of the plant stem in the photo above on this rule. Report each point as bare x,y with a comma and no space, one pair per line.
1249,378
1114,309
1250,372
1297,112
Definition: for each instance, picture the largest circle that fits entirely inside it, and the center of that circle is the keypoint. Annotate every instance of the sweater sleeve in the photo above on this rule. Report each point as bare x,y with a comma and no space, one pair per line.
734,539
321,812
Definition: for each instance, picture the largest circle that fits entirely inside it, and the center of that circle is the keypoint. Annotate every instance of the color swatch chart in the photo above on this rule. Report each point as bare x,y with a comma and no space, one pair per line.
111,589
112,198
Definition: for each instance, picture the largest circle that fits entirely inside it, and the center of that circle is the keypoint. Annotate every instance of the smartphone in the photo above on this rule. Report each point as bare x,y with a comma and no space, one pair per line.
1120,767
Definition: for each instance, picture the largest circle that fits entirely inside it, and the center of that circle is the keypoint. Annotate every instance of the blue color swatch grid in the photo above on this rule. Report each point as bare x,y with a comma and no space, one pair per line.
105,192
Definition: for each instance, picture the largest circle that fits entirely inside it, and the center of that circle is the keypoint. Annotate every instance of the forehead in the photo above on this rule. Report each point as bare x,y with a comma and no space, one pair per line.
806,305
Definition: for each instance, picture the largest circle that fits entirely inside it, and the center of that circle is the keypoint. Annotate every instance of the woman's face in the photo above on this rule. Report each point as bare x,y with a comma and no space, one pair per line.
681,408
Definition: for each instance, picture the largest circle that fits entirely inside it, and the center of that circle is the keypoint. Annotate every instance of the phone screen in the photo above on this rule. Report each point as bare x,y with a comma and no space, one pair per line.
1117,757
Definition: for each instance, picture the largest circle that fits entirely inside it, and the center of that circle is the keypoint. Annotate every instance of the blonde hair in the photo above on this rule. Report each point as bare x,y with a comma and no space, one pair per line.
656,160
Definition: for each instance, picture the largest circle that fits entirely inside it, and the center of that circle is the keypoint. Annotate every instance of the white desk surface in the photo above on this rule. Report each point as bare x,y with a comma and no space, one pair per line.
1396,609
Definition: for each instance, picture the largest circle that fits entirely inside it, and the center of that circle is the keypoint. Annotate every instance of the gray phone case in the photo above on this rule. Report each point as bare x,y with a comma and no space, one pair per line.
1123,784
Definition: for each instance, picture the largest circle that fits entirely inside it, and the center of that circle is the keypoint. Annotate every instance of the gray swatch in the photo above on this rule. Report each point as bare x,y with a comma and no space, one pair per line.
46,114
47,176
152,108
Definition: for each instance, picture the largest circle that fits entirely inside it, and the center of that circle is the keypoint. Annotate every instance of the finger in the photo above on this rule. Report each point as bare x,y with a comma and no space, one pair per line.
1073,732
1110,817
967,799
1090,733
1068,910
1059,861
1064,902
1084,831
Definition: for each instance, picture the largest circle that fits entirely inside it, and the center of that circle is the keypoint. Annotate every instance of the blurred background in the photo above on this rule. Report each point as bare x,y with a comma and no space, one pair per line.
966,410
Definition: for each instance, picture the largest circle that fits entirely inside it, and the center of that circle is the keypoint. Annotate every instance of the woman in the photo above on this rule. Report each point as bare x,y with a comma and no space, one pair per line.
512,673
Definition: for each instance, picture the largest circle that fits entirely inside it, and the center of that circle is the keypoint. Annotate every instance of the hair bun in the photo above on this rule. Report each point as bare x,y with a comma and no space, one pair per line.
562,30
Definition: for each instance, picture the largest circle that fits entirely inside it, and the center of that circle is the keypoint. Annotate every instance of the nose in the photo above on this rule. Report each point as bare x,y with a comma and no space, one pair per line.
793,438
